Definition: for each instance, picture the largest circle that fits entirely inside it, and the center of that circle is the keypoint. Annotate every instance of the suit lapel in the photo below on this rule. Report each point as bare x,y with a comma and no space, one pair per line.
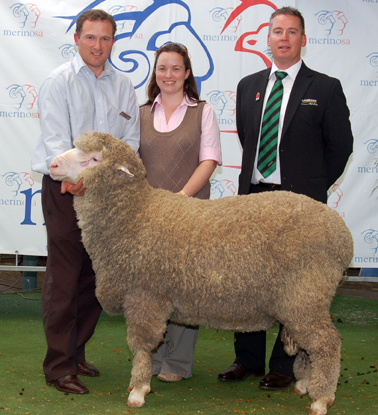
257,105
302,82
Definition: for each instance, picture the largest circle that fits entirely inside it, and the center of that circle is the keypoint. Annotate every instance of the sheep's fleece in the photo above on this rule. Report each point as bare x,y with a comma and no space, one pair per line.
239,263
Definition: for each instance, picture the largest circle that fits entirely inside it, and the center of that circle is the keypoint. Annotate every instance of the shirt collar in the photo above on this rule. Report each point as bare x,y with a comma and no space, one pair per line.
78,63
185,101
292,72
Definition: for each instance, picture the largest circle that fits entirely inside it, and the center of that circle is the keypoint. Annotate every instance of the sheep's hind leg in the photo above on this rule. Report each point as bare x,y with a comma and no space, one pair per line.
302,372
325,368
320,339
302,368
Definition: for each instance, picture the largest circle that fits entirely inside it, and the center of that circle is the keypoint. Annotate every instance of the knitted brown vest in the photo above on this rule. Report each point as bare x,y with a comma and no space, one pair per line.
171,158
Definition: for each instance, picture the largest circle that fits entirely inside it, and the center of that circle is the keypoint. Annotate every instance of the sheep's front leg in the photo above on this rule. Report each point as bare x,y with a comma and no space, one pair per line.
141,371
146,316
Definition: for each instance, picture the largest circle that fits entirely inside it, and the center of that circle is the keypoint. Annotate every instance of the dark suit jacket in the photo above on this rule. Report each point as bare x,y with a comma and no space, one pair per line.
316,137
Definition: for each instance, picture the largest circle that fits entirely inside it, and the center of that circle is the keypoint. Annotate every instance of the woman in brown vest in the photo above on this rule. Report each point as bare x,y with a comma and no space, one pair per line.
180,148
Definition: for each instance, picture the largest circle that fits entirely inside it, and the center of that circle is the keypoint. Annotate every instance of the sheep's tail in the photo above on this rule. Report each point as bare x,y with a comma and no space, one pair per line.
290,346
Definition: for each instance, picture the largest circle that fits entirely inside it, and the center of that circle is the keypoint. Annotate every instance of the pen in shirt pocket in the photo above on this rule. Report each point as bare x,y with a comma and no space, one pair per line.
124,115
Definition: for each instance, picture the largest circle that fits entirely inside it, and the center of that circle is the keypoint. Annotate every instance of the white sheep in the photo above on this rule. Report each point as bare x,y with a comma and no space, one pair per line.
239,263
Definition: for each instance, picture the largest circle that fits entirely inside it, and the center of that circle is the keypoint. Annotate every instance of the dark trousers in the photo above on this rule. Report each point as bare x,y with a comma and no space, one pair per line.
69,306
250,348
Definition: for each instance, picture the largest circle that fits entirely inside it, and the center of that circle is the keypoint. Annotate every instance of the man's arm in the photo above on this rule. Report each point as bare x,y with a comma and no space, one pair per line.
56,129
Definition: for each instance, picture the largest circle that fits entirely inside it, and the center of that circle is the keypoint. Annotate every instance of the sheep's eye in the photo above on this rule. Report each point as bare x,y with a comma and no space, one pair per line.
94,159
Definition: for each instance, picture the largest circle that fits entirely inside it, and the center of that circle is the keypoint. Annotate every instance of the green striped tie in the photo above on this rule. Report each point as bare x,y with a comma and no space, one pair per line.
269,128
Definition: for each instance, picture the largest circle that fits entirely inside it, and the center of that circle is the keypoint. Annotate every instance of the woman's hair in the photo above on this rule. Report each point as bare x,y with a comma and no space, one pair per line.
190,86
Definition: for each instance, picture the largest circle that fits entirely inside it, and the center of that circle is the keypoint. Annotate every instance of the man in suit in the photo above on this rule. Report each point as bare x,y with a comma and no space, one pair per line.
313,144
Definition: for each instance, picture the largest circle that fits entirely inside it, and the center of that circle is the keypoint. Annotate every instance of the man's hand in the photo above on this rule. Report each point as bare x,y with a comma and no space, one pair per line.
75,189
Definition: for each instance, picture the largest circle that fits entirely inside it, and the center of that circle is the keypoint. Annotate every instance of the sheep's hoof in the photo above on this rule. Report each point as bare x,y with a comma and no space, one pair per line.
314,412
135,404
298,392
137,395
300,388
319,407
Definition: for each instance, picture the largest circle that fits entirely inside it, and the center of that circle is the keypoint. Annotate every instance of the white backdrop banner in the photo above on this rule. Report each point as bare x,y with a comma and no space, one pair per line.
227,40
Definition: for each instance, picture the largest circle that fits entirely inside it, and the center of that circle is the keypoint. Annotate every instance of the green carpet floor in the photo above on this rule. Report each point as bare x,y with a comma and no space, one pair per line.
24,391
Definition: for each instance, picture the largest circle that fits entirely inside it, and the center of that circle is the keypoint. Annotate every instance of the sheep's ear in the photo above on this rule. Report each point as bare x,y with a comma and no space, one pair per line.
124,170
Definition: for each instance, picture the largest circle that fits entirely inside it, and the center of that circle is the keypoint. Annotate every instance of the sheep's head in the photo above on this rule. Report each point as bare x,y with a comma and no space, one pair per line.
95,150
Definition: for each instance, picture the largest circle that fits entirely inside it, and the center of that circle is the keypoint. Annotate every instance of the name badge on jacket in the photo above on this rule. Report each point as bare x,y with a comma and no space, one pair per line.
309,101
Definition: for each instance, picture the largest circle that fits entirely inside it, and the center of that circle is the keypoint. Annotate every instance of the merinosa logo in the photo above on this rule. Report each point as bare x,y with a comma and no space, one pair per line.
328,41
26,17
19,114
331,26
27,33
23,98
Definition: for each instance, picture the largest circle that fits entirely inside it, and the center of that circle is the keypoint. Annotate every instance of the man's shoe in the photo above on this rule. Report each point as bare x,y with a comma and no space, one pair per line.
86,369
68,384
275,381
237,373
169,377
